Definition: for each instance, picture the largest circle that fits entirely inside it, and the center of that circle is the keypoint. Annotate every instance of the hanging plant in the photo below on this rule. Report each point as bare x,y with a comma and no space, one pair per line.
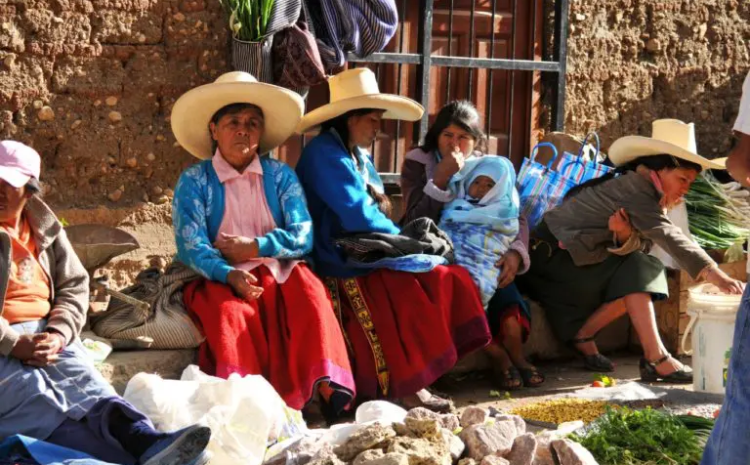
248,19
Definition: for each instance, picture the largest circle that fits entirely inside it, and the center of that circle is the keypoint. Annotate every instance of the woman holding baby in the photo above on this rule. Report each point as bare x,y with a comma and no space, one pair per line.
455,137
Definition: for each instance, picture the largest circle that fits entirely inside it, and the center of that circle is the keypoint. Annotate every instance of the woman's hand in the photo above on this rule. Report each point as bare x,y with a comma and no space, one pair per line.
726,284
47,349
619,223
237,249
26,346
242,283
509,264
447,167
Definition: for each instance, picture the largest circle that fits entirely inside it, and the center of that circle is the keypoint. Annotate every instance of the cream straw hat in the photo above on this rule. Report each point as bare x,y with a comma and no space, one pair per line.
282,111
356,89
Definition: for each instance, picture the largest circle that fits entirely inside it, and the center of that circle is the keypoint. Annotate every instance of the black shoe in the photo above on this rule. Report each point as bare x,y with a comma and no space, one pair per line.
649,374
597,362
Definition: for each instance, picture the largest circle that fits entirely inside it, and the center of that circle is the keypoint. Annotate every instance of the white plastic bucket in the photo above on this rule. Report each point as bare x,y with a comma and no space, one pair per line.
712,316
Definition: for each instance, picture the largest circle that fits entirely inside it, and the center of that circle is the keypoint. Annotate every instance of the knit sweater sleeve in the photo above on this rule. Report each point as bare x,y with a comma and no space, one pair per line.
190,208
333,176
294,238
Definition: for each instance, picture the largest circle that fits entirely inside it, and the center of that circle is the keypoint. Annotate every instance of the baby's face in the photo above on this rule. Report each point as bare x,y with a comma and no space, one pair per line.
480,186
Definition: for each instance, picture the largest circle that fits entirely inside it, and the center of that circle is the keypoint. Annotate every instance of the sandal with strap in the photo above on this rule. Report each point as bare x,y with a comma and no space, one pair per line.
507,380
649,374
597,362
528,374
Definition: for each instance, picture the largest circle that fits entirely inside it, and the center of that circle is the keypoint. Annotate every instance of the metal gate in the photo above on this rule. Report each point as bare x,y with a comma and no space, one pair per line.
425,62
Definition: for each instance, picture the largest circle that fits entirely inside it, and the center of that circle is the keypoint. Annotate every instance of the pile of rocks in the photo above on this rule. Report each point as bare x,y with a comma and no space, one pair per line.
428,438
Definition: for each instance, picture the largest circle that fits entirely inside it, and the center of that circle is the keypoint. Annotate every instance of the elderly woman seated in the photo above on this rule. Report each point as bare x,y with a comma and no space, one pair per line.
50,390
241,222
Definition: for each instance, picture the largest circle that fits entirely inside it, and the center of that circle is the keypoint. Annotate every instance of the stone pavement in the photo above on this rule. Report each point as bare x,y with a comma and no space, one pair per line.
120,366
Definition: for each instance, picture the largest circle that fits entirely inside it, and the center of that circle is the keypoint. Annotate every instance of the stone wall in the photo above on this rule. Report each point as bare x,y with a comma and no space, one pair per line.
91,83
632,61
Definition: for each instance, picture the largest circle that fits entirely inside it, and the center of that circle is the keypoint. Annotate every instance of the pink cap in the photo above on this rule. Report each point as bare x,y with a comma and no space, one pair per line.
18,163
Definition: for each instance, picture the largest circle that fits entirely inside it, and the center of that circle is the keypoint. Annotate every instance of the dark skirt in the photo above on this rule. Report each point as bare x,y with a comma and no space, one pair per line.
508,303
569,293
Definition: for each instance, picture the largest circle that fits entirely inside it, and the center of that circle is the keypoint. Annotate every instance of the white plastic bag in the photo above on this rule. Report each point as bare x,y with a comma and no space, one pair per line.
381,411
244,413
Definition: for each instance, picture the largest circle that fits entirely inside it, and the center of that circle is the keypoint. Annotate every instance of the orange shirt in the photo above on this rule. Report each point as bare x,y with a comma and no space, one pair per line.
28,294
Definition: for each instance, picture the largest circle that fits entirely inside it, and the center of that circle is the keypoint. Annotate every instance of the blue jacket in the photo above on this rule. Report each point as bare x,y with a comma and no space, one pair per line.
198,209
336,190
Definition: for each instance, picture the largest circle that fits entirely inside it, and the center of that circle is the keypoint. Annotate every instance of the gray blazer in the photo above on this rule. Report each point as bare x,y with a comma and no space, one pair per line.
581,223
68,279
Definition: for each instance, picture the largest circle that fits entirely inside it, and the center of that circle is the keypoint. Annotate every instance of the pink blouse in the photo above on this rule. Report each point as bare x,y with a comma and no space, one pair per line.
246,212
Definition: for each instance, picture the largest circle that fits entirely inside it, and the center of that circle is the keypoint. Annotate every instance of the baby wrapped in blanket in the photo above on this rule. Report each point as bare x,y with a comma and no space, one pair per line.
482,218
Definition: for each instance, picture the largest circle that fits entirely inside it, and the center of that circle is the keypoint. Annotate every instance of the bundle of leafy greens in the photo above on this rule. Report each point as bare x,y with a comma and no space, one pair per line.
718,214
248,19
644,437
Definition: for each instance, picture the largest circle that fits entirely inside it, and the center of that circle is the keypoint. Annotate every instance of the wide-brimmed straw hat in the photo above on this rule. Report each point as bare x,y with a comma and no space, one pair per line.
356,89
668,136
191,114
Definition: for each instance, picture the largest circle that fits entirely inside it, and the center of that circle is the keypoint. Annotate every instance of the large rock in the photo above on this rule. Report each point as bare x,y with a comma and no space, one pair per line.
368,456
473,416
494,460
544,454
467,461
303,451
523,451
449,420
420,451
423,428
517,420
390,459
455,445
572,453
369,437
484,440
325,457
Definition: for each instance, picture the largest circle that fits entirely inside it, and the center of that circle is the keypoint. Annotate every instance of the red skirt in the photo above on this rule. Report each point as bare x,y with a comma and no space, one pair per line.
405,330
289,335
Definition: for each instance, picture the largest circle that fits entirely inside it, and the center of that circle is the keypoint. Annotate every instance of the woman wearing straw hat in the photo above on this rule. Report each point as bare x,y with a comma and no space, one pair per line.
578,270
50,390
241,222
406,329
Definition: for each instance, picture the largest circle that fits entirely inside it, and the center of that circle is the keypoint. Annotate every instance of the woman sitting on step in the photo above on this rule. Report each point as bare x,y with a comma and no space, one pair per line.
241,222
407,326
579,274
454,137
50,390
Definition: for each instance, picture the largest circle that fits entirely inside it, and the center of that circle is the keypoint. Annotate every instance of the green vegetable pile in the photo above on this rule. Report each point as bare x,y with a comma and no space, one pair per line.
718,213
646,437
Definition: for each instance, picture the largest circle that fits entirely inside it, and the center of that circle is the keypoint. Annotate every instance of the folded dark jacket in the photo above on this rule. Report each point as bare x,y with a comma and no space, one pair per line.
421,236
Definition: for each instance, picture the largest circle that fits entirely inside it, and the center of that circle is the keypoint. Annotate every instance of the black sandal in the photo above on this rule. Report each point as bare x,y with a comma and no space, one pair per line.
597,362
508,380
527,374
650,375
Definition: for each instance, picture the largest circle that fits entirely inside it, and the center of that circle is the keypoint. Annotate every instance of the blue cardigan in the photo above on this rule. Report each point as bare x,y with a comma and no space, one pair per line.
336,190
198,209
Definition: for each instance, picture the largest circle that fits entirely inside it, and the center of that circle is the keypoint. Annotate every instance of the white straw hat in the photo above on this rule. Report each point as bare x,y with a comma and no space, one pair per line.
191,114
668,136
356,89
